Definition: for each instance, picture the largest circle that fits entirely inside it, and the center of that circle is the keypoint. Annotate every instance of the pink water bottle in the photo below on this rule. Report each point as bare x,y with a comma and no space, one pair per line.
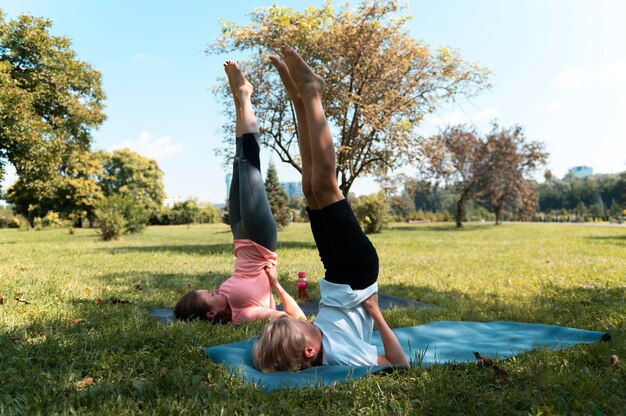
302,293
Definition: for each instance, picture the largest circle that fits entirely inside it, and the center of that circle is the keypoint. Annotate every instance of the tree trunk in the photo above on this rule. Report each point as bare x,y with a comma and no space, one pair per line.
460,211
497,212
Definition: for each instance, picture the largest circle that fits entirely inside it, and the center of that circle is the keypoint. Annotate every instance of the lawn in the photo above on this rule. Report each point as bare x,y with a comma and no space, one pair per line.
76,335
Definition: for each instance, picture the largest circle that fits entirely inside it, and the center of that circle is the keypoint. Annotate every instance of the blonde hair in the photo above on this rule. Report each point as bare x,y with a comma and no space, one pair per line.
280,347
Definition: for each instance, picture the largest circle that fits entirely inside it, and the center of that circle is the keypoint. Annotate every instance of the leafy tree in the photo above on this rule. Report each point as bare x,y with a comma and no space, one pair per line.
380,82
277,197
70,190
457,156
511,160
128,173
49,101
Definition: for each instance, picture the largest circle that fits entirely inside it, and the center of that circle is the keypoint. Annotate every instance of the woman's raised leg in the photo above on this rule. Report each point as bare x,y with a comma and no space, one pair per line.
256,220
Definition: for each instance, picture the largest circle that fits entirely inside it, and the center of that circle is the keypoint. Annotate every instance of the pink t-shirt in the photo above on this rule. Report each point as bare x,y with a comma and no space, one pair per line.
248,290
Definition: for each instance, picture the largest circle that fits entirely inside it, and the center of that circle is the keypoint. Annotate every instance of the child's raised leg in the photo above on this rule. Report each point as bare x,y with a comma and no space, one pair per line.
323,168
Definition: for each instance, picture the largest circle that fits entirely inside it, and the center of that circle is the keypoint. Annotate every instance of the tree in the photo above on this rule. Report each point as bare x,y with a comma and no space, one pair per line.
70,190
456,156
128,173
49,101
379,81
277,197
511,160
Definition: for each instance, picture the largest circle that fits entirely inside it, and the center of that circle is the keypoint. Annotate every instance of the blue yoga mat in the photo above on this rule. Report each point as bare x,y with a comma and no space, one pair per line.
432,343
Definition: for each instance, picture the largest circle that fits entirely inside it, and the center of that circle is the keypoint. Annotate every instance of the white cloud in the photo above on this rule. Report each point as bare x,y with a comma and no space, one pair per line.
153,148
608,74
460,117
553,106
147,57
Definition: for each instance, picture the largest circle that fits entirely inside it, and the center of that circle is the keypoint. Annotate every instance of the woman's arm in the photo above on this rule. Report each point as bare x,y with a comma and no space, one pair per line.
394,355
291,306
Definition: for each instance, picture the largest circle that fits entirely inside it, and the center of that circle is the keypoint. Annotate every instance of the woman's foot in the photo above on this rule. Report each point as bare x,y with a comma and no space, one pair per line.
285,77
239,85
307,82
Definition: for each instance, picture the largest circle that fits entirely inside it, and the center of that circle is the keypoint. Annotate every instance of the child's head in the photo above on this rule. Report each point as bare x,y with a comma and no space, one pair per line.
203,304
287,345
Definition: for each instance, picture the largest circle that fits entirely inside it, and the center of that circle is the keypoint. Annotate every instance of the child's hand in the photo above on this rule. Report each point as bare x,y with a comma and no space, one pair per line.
272,275
371,304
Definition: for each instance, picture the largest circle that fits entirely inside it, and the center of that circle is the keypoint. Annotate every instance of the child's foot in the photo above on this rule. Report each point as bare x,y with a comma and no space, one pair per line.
285,77
241,88
305,79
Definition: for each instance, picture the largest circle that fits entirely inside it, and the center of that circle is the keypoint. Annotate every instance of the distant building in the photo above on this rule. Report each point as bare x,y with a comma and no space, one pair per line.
293,189
581,171
229,179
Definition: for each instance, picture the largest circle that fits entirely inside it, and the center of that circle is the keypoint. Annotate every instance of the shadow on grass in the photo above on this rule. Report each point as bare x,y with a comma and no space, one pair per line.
200,249
141,364
619,240
583,307
440,227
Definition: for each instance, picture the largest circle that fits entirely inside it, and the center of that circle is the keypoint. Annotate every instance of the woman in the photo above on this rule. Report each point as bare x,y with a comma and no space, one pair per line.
246,295
349,300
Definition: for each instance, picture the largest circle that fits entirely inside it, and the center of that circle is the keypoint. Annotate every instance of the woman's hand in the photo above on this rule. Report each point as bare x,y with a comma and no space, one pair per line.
272,276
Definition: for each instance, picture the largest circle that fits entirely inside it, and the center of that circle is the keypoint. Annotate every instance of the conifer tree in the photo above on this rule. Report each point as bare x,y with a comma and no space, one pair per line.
277,197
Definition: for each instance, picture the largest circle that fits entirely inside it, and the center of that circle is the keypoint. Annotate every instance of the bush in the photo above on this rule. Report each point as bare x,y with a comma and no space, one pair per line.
371,211
118,215
186,212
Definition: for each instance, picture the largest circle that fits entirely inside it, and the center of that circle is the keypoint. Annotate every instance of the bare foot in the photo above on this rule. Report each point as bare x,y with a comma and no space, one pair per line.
241,88
305,79
227,65
285,77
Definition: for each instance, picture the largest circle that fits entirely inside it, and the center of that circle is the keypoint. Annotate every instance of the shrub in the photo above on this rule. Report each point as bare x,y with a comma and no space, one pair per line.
118,215
371,211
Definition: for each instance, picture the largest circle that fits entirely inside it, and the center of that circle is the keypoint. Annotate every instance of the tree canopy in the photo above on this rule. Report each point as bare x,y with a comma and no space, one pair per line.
495,168
380,82
49,100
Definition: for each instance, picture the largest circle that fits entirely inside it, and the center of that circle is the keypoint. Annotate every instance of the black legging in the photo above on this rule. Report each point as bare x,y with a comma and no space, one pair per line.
248,208
347,254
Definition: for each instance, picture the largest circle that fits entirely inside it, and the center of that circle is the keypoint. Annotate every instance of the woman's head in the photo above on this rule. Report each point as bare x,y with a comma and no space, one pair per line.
286,345
203,304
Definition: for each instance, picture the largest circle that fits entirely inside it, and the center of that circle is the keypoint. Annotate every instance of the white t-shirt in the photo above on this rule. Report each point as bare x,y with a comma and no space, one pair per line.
345,324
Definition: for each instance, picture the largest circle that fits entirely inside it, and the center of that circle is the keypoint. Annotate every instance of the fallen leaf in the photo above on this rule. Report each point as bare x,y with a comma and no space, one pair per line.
98,301
16,338
483,359
117,301
162,371
501,375
29,311
23,301
1,300
510,282
88,290
614,361
84,382
78,320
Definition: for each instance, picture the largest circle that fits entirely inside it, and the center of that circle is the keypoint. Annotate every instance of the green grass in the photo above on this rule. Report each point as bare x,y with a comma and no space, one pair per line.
554,274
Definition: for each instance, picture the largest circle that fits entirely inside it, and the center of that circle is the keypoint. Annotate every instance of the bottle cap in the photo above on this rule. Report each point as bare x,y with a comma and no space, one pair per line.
302,275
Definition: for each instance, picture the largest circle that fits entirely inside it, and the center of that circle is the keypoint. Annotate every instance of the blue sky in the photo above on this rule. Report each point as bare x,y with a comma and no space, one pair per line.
559,70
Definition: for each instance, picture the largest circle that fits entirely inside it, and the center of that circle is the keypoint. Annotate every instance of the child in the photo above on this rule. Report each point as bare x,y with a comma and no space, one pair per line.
349,300
246,295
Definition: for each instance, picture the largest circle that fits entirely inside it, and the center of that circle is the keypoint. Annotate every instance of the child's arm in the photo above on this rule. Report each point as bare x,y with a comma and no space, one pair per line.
394,355
291,306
